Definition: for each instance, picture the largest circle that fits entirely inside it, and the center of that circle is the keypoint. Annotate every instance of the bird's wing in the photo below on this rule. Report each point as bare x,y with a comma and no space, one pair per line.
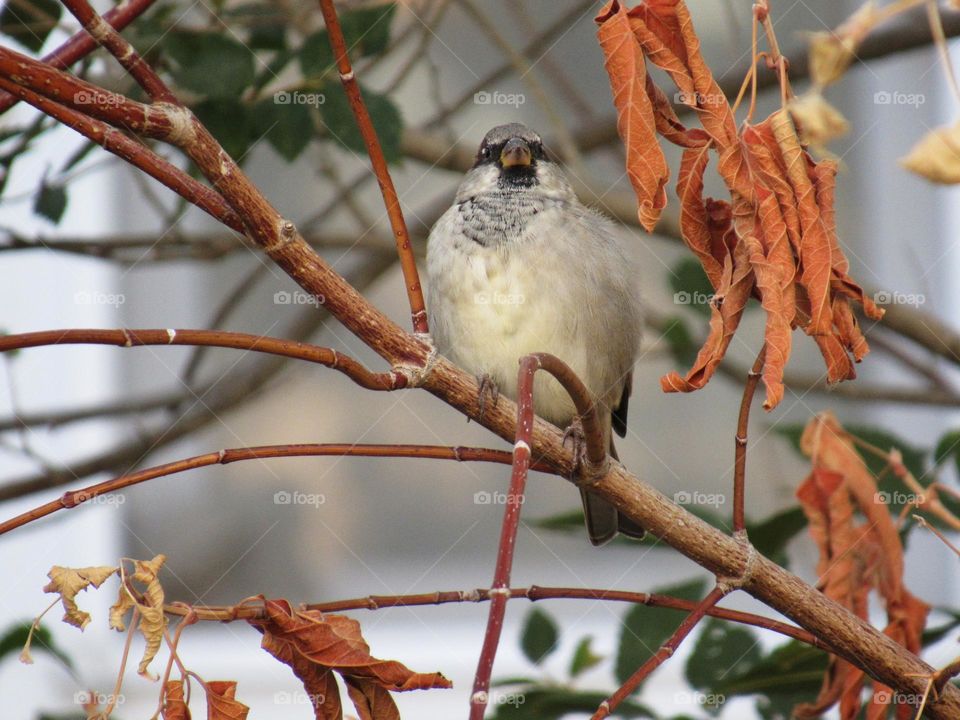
620,411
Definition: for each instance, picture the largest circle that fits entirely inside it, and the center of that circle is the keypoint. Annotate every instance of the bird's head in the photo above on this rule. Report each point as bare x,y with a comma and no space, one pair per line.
512,158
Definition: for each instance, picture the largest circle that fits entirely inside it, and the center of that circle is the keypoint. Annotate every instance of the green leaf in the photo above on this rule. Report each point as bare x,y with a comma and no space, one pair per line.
948,446
13,640
286,126
229,122
273,68
50,202
539,636
677,335
78,155
791,673
338,118
770,536
584,657
646,628
690,286
553,703
367,31
267,25
210,63
31,22
723,651
316,57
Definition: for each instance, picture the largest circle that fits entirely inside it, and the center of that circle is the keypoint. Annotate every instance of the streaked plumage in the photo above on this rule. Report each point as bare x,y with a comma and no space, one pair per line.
518,265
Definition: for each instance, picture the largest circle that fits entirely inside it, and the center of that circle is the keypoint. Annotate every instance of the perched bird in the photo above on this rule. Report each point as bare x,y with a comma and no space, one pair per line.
519,265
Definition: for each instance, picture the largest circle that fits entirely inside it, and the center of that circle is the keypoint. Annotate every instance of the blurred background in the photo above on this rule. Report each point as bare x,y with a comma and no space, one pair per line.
98,245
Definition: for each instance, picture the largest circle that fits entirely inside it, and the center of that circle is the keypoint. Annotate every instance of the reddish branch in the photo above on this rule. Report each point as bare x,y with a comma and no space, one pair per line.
740,442
70,500
126,148
663,653
500,590
532,593
595,466
393,380
852,638
82,44
408,263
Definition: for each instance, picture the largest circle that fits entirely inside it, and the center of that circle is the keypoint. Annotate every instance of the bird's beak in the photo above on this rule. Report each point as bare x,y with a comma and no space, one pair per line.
515,152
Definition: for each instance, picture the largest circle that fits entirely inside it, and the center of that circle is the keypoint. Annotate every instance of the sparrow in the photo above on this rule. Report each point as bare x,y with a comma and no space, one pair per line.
519,265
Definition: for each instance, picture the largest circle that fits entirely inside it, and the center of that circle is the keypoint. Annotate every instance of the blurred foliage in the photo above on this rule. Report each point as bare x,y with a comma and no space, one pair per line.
251,77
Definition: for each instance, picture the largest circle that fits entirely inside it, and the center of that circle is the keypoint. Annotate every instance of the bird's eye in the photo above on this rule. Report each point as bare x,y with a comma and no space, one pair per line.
536,150
485,153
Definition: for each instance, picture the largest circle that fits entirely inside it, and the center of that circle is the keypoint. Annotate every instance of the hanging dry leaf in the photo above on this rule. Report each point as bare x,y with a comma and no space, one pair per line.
149,604
936,156
315,644
832,52
68,582
857,558
818,122
646,165
776,238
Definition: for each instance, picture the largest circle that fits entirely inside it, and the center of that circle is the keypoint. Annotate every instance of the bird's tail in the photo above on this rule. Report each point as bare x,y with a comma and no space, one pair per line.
603,520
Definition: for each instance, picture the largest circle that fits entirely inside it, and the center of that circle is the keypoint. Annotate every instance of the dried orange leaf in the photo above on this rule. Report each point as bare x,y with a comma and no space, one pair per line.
222,703
936,156
371,700
174,705
68,582
646,164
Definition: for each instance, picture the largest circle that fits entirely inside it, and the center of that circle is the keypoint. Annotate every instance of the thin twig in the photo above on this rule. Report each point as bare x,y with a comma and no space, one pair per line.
665,652
408,264
72,499
740,442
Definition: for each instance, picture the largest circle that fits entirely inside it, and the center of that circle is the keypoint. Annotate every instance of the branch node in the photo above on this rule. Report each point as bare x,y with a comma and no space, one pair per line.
521,445
741,441
728,584
181,132
415,375
172,334
479,697
505,591
127,339
347,76
286,234
474,595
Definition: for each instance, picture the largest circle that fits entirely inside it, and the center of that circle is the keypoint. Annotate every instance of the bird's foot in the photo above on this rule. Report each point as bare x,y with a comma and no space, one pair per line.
488,386
578,442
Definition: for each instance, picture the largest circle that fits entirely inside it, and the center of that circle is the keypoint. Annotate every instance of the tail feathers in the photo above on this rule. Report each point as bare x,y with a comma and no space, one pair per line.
602,518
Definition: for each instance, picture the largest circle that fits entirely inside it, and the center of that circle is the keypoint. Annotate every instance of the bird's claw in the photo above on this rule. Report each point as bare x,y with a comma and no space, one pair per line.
487,387
578,443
